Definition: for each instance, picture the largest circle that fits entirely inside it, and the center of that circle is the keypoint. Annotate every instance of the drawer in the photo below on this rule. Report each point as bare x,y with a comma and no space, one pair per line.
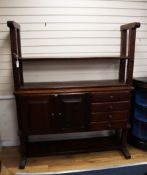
108,116
109,106
94,126
110,96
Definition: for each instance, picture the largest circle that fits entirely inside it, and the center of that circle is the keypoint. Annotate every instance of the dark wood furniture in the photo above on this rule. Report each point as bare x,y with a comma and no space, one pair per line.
63,111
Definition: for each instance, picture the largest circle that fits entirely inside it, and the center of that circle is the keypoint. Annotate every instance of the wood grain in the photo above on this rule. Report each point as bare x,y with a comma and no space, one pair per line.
10,158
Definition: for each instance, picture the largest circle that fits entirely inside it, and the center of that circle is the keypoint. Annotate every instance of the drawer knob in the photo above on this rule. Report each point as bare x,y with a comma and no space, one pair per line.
59,113
110,107
109,125
109,116
111,97
52,114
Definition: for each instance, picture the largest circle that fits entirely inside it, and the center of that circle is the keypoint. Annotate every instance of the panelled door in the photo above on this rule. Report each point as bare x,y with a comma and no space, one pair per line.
73,112
37,114
42,114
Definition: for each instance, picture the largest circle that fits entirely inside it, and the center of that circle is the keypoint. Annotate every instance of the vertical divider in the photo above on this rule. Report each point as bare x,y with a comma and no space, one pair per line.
131,51
20,55
123,47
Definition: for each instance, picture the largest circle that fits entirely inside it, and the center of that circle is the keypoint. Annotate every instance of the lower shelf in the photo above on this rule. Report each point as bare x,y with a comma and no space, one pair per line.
44,148
71,146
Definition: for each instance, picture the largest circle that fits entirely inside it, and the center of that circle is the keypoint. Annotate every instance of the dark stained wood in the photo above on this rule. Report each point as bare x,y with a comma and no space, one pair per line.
95,126
132,25
110,96
16,53
108,116
72,146
13,24
20,55
71,58
123,53
126,153
38,109
73,112
72,84
75,107
131,52
53,113
109,106
71,90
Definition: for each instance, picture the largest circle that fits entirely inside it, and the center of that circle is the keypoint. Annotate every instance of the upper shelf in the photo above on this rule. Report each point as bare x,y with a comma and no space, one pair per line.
126,57
71,58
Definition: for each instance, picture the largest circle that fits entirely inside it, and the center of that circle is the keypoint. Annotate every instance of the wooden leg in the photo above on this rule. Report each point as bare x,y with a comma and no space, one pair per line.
126,152
118,133
22,163
23,145
124,143
23,150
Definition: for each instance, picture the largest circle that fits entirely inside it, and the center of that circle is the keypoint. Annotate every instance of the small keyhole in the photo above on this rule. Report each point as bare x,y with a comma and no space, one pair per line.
109,125
60,114
110,116
52,114
110,107
111,97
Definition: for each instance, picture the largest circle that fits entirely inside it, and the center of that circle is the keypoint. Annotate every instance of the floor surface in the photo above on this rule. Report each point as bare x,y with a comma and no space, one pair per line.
10,158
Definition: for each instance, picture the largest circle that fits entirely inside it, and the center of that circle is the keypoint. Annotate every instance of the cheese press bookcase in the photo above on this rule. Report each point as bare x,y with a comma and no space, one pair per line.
63,111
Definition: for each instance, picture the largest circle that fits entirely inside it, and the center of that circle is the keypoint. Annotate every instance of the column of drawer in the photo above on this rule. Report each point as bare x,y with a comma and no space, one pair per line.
109,110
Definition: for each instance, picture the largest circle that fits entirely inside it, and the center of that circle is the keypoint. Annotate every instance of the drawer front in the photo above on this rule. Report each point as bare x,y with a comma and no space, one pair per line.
108,116
94,126
110,96
109,106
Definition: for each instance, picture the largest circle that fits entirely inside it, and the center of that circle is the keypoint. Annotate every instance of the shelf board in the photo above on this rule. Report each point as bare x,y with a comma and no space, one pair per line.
25,59
72,84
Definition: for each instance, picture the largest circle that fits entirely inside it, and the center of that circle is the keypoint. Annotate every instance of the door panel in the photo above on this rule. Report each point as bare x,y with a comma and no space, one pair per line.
73,112
37,114
42,114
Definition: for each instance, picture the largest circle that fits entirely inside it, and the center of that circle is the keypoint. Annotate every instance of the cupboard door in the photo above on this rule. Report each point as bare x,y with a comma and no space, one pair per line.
73,112
37,114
